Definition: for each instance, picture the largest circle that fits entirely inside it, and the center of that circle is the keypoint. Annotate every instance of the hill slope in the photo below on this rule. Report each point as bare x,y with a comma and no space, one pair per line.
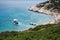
41,32
50,7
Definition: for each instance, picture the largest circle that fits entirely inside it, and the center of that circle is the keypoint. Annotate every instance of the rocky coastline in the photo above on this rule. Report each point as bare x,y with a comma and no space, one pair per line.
48,8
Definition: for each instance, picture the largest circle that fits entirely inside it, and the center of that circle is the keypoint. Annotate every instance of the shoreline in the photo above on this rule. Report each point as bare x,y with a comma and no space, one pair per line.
42,10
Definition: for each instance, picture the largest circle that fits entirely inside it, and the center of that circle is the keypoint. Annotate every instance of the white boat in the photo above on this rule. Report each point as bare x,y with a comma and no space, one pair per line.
34,24
15,21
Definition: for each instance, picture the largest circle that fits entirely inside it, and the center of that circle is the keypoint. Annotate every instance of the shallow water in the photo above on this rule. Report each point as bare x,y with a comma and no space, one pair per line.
18,9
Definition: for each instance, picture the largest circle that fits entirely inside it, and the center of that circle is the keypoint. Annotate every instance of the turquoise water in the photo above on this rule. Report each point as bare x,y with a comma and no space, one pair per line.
18,9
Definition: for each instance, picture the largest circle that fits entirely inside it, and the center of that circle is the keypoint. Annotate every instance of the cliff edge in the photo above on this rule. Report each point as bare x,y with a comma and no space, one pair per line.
50,7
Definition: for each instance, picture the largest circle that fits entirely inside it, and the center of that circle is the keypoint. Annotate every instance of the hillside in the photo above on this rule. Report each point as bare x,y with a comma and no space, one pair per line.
41,32
50,7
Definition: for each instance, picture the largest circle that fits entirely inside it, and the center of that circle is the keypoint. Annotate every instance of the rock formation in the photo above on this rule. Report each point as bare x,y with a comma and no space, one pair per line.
50,7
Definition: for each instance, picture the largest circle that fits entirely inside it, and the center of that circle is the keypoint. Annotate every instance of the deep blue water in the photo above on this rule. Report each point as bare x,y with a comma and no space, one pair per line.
18,9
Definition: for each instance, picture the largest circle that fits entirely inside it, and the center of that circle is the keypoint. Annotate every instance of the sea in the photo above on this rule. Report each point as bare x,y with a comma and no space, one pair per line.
18,9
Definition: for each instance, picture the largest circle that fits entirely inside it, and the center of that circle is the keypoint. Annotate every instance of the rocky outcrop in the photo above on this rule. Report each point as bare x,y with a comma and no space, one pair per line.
51,7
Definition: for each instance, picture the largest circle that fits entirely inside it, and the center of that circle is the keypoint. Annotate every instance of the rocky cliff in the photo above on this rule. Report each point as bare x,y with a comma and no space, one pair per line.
50,7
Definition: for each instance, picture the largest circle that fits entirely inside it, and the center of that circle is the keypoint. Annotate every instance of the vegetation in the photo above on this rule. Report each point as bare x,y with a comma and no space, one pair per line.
42,4
53,5
41,32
